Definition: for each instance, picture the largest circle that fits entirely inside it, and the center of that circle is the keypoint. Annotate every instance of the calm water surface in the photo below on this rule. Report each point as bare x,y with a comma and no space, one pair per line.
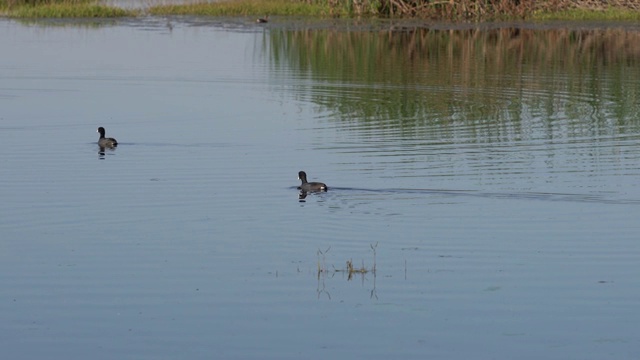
489,175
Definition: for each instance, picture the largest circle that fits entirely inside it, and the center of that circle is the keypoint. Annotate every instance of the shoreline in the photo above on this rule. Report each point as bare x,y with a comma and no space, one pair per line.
567,10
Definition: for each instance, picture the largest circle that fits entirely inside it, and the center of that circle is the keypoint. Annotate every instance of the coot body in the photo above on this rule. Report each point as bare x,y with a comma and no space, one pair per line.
310,186
105,141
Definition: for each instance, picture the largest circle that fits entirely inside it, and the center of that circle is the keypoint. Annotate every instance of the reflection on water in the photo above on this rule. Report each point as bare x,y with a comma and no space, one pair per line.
502,105
413,79
483,190
362,272
102,151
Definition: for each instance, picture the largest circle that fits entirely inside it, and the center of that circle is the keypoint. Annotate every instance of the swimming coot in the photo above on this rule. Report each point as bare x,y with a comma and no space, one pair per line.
105,141
310,186
263,20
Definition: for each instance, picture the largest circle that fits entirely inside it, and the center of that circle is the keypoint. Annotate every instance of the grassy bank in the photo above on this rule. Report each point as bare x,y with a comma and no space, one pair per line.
60,9
245,7
447,10
578,14
458,10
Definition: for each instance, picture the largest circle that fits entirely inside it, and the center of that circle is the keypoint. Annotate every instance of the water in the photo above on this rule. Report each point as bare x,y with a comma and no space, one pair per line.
490,180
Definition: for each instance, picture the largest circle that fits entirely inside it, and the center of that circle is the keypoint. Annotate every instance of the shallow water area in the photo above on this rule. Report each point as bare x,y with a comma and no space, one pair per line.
482,184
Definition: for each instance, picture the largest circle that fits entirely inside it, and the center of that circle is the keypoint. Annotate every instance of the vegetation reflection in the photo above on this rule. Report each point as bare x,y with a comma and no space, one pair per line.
410,77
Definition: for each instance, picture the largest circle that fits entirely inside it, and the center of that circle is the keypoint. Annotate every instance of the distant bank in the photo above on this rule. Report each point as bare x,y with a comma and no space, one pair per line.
438,10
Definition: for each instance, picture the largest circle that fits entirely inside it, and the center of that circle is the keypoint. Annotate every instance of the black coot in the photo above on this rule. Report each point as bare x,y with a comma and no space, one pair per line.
310,186
105,141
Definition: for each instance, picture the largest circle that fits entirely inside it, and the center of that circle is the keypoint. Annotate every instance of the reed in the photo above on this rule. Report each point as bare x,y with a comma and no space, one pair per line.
482,10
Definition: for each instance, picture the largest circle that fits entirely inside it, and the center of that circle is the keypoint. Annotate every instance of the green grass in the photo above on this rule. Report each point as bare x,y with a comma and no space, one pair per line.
60,9
611,14
64,11
14,3
243,8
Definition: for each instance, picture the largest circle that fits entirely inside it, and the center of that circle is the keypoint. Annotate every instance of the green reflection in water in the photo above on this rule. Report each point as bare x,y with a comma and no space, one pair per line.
508,77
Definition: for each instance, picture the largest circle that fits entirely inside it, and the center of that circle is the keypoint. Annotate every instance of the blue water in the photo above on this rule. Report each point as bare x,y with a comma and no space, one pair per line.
189,239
